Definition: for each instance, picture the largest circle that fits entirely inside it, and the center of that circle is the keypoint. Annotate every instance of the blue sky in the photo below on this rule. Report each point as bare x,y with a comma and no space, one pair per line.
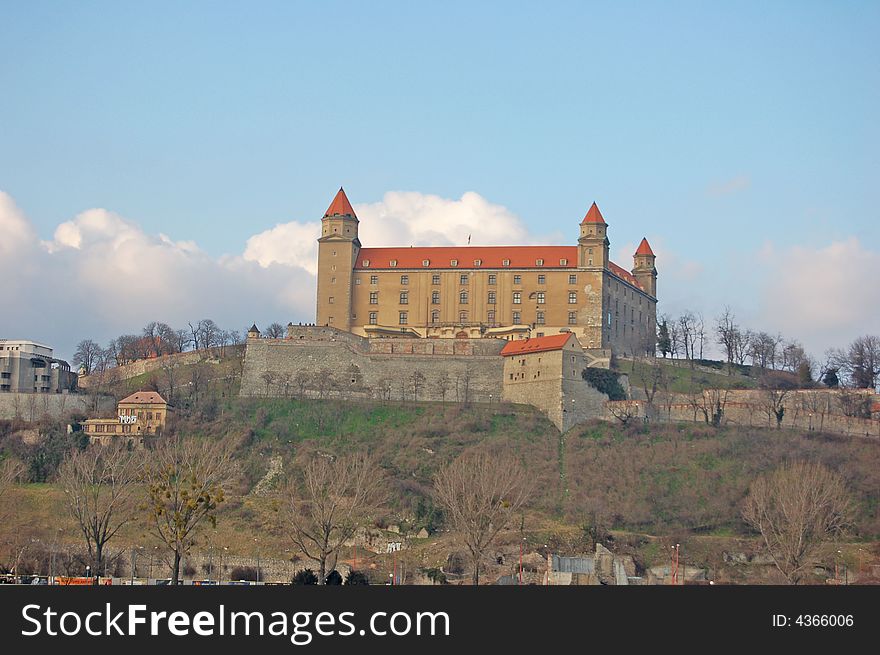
726,133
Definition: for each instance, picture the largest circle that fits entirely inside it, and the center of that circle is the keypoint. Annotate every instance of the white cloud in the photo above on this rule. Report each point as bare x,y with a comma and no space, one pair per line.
401,218
15,230
824,296
101,275
292,244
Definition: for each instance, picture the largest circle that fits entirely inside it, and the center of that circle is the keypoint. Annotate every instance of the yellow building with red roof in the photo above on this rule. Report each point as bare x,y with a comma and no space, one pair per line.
510,292
143,413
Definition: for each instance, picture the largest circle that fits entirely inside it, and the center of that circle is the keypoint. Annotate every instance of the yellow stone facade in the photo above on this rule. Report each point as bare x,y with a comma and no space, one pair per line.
510,292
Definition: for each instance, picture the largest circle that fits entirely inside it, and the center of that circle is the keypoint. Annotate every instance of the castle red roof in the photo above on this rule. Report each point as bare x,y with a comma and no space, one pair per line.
594,215
536,344
143,397
466,256
441,257
644,248
340,206
624,274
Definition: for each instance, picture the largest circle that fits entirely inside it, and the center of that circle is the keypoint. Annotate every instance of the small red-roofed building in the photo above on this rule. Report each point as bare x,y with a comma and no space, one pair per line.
143,413
547,372
486,291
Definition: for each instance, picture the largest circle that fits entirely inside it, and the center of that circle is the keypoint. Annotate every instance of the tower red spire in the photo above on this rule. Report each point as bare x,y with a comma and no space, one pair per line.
644,248
340,206
594,215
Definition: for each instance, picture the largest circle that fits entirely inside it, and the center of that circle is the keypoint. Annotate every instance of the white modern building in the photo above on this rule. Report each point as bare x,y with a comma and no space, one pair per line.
29,367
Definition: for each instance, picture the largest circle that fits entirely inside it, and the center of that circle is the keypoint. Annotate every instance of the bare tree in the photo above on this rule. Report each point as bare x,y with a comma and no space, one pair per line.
169,368
443,384
687,328
301,382
481,493
87,355
275,331
773,402
417,383
99,484
623,410
285,380
861,362
732,338
186,483
797,508
268,378
329,501
10,470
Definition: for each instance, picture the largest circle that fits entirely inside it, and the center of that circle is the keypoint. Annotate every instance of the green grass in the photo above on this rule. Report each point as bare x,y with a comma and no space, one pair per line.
682,378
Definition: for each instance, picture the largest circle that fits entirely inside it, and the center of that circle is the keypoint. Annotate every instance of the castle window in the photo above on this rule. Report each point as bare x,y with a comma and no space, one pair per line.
404,297
609,319
589,251
435,316
435,297
517,298
454,262
491,297
332,280
572,318
426,263
517,318
539,262
404,279
334,253
333,267
366,263
563,262
517,279
330,300
505,262
374,297
492,278
435,279
374,279
490,317
540,318
542,279
572,279
590,263
572,297
478,262
541,297
393,263
374,318
463,298
463,279
402,318
357,281
462,317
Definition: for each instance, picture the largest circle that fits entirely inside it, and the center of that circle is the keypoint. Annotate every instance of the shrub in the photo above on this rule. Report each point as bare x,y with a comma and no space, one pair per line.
304,577
356,578
605,381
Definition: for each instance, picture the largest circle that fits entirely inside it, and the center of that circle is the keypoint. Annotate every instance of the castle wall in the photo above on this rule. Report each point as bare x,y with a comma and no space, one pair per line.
320,362
811,410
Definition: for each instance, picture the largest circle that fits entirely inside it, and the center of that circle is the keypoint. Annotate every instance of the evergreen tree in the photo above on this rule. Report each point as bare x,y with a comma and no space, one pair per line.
663,342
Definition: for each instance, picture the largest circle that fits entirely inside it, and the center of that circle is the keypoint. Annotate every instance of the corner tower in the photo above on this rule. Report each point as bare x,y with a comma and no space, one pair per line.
644,269
338,248
593,241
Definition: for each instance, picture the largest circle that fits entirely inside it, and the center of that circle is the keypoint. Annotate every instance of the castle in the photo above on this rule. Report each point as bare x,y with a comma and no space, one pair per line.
507,292
468,323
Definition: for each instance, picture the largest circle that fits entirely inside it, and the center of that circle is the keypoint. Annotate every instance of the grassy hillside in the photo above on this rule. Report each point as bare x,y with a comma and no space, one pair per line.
681,378
683,481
